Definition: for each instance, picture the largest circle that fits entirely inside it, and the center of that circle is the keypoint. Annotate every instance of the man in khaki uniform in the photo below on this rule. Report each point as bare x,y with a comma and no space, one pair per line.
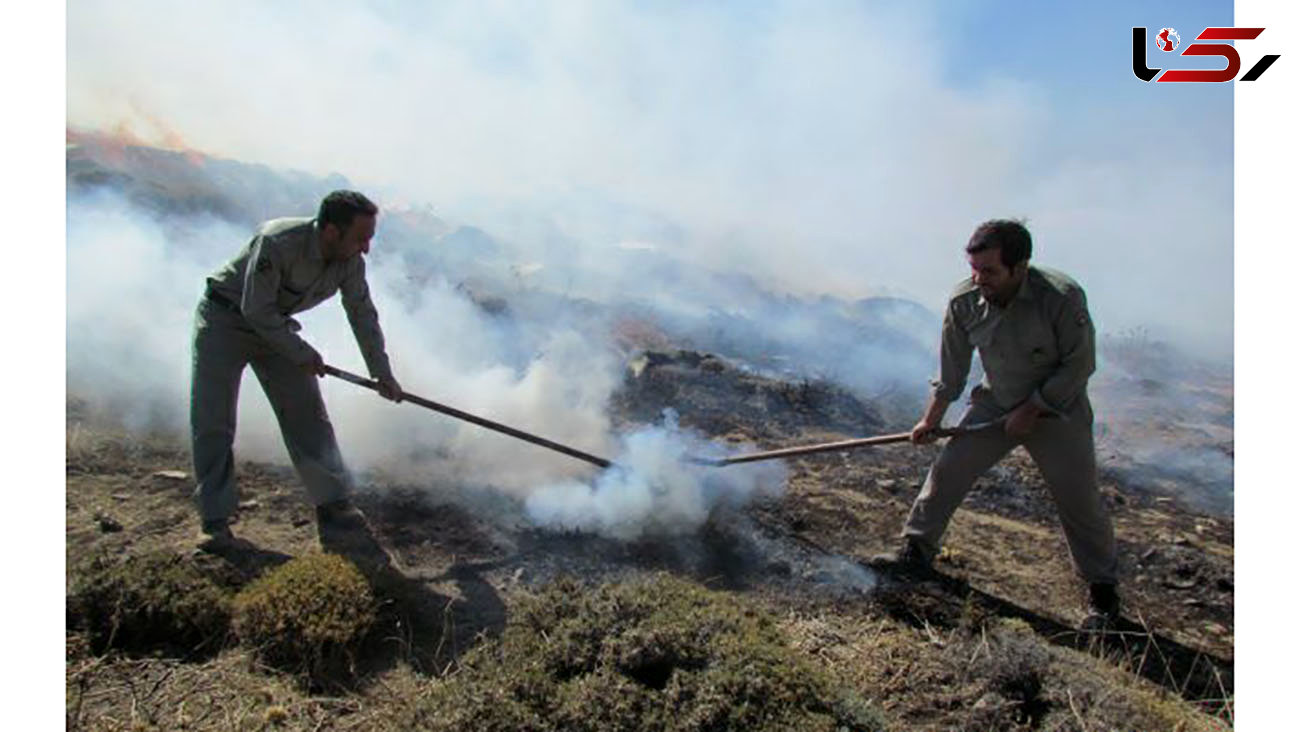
290,265
1036,344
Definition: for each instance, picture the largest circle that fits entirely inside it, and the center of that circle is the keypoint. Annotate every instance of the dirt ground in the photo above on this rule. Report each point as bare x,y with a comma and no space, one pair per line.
909,648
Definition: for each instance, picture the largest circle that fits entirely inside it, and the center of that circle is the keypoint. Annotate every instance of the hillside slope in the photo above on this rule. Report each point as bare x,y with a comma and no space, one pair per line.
988,644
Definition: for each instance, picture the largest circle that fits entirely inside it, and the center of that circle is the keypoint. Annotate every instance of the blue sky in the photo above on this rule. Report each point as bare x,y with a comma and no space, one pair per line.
1045,41
1080,55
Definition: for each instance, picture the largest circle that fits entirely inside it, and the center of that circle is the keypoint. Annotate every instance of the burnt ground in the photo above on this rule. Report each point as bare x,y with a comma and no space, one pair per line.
919,650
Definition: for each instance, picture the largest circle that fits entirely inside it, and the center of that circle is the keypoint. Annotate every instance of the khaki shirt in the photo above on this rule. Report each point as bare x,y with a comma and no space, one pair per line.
290,276
1039,347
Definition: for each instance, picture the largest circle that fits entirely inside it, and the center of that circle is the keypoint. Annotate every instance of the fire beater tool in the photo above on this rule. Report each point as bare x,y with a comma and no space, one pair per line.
604,463
842,445
473,419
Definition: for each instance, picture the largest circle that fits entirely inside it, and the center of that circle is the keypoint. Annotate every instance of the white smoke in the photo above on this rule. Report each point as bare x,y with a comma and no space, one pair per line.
134,280
132,288
653,488
824,149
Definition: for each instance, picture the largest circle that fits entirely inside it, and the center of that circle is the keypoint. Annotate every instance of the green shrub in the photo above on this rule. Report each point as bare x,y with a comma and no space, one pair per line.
655,654
307,615
157,601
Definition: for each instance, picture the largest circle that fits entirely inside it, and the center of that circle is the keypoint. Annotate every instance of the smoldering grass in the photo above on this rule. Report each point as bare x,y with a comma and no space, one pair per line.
654,488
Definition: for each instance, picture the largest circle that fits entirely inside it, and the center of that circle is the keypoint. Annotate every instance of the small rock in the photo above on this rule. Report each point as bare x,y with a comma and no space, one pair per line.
108,524
1194,602
171,474
1216,628
121,497
1180,583
300,522
1149,554
248,505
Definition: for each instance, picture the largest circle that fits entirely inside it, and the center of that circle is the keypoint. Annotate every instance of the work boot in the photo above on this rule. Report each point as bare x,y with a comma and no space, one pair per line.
1103,606
217,537
343,529
340,515
910,558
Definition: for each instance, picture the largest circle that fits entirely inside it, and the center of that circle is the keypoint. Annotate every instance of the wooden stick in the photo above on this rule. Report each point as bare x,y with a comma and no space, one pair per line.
473,419
839,445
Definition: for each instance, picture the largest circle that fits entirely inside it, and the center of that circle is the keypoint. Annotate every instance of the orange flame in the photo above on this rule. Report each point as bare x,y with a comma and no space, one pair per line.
111,146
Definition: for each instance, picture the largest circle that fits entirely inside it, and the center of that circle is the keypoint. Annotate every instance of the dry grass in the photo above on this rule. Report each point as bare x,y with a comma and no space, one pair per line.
309,616
230,692
156,601
600,654
988,674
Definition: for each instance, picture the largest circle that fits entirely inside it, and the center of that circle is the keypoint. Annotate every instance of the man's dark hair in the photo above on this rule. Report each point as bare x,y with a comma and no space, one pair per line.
1006,235
340,207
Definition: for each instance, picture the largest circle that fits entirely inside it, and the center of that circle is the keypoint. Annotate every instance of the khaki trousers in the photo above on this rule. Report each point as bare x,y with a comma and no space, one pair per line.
224,344
1064,452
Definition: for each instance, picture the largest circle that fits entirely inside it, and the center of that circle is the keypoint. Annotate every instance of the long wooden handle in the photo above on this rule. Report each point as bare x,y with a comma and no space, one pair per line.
839,445
473,419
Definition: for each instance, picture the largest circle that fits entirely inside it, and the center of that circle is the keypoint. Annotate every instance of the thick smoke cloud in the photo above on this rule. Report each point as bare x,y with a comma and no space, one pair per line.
653,487
128,334
131,294
133,282
820,148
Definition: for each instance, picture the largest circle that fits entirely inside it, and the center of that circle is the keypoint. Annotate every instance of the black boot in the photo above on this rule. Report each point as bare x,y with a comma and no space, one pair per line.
217,529
1103,606
343,529
910,558
340,515
217,538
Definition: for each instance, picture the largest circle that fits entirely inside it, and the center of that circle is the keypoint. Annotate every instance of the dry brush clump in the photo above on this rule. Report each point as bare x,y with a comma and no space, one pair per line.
309,615
1011,678
1020,681
153,602
652,654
